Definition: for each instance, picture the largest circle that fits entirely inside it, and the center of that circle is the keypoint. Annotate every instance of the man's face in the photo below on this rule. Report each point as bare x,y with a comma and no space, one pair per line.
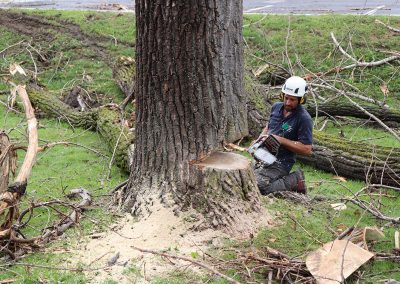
290,102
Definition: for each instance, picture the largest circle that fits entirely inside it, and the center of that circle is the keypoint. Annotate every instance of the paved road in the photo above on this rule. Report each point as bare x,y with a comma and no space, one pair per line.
360,7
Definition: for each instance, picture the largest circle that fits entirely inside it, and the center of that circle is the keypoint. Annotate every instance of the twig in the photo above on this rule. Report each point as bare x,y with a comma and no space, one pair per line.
286,47
355,95
114,151
374,212
360,63
231,280
387,26
345,233
304,229
122,184
54,267
373,117
18,43
34,63
72,218
52,144
342,50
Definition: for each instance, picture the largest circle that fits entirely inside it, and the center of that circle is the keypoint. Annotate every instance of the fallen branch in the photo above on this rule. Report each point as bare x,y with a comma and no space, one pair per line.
387,257
375,212
9,200
387,26
360,63
362,109
70,220
231,280
354,95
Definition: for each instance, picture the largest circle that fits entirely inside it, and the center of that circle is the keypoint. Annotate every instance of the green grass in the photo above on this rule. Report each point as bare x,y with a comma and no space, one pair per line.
298,229
309,42
56,172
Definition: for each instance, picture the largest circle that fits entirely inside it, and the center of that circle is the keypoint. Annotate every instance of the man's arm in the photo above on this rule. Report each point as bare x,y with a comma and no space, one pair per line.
294,146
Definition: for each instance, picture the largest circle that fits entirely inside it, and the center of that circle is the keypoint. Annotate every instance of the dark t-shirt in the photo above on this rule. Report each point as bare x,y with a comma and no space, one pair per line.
297,127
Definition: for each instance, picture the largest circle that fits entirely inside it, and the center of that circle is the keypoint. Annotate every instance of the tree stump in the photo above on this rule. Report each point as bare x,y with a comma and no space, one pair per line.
221,193
224,190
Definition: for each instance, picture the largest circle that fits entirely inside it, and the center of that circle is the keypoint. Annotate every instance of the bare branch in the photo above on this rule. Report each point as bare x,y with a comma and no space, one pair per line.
358,63
387,26
231,280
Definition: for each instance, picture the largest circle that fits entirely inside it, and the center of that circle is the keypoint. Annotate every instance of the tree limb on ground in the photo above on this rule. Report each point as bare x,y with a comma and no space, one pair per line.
106,120
163,254
358,63
345,109
387,26
9,200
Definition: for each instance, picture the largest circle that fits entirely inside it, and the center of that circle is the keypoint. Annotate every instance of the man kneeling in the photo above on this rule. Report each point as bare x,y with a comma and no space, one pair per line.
291,126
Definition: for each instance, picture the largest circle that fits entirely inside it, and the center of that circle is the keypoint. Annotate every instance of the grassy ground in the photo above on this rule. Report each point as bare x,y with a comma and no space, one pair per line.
72,61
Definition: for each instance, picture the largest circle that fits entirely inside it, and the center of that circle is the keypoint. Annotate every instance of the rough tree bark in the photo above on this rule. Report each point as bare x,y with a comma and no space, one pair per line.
189,102
374,164
106,120
346,109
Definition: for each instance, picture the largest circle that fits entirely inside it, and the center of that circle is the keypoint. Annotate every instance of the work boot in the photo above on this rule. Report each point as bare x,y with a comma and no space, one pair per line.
301,182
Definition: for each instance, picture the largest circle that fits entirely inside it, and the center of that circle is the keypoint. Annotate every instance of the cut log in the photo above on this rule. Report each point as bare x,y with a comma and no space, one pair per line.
373,164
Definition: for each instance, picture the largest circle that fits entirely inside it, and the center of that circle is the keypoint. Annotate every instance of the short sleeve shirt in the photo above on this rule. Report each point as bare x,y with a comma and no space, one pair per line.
297,127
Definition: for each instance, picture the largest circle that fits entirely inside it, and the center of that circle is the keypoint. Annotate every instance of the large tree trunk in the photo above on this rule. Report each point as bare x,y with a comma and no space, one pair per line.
189,102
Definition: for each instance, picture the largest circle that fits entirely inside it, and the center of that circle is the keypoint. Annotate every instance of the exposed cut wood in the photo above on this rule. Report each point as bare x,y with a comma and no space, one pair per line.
9,199
7,161
336,261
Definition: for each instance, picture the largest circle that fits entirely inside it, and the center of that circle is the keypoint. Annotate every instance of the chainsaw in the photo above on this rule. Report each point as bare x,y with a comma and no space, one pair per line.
265,149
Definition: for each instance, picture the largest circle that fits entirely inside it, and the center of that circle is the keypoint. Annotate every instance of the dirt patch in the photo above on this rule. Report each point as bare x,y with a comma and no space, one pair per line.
162,231
42,30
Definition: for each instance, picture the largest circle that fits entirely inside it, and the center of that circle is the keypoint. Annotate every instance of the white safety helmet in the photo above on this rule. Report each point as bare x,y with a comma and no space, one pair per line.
295,86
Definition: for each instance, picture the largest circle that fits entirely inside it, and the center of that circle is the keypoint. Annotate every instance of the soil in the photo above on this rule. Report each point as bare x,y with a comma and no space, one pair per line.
162,231
42,29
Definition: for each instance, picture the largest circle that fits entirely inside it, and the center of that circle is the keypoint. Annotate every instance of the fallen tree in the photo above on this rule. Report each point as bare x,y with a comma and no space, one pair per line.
107,120
334,108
